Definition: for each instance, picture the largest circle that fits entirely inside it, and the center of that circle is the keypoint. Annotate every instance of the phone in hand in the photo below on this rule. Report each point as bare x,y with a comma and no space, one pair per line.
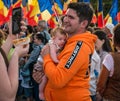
16,19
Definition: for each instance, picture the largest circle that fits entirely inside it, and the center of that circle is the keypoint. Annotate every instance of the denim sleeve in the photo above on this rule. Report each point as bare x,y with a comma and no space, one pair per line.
33,57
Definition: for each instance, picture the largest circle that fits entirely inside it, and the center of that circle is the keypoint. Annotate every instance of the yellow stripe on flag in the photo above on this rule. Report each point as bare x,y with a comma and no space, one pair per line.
57,8
36,18
109,20
36,9
3,9
46,15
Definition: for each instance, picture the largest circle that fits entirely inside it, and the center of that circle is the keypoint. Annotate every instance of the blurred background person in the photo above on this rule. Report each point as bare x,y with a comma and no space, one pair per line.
109,81
108,29
102,45
43,28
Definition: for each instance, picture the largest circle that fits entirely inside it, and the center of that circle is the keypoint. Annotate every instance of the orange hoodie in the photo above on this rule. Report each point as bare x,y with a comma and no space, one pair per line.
69,80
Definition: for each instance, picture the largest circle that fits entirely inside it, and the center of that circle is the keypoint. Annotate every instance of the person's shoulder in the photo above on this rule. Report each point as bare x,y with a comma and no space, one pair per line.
41,46
95,56
36,48
45,32
108,57
105,53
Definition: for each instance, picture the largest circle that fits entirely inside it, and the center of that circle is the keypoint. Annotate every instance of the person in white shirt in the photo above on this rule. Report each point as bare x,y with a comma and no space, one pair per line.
94,74
108,85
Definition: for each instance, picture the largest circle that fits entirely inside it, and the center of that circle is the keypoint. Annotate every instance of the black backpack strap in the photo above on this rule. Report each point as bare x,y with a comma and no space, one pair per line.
5,57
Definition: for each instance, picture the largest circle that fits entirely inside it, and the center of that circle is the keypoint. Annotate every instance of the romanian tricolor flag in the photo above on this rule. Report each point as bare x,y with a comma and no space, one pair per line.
100,14
33,8
4,7
58,7
118,17
94,19
65,4
52,22
38,9
46,15
16,3
7,3
111,16
30,11
45,8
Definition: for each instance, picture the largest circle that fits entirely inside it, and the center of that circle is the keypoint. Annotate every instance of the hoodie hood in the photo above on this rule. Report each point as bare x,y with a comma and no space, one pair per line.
86,37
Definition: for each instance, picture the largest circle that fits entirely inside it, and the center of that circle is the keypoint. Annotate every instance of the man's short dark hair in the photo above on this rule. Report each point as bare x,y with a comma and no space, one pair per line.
83,10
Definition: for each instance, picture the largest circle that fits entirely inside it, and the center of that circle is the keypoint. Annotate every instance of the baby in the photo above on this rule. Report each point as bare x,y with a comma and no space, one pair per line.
56,44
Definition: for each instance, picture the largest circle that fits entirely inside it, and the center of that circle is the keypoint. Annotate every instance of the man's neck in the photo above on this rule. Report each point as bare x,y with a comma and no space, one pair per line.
78,32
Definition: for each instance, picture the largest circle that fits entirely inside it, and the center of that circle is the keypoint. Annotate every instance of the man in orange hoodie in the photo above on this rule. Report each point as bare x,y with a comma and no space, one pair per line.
69,79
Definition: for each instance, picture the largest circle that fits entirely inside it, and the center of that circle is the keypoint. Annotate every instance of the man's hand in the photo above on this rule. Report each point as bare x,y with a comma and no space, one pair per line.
45,50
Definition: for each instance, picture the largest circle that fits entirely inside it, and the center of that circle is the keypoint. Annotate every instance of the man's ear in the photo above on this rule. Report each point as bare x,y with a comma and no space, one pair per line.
84,24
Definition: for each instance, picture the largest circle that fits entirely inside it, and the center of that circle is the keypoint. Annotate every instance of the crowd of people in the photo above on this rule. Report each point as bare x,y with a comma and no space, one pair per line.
74,61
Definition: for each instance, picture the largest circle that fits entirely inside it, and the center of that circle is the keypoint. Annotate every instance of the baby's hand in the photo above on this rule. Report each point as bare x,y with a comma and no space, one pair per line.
45,50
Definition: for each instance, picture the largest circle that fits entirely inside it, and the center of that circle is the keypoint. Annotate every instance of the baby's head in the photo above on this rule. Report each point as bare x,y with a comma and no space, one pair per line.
59,36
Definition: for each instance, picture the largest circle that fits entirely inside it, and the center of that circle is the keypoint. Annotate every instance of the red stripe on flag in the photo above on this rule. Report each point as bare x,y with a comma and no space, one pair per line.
100,20
3,19
118,17
31,21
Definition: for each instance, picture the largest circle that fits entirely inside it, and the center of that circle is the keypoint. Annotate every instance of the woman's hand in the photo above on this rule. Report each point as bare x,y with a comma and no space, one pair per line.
22,50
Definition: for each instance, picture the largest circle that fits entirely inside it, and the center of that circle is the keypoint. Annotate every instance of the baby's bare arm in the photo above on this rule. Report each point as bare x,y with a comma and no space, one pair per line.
53,52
